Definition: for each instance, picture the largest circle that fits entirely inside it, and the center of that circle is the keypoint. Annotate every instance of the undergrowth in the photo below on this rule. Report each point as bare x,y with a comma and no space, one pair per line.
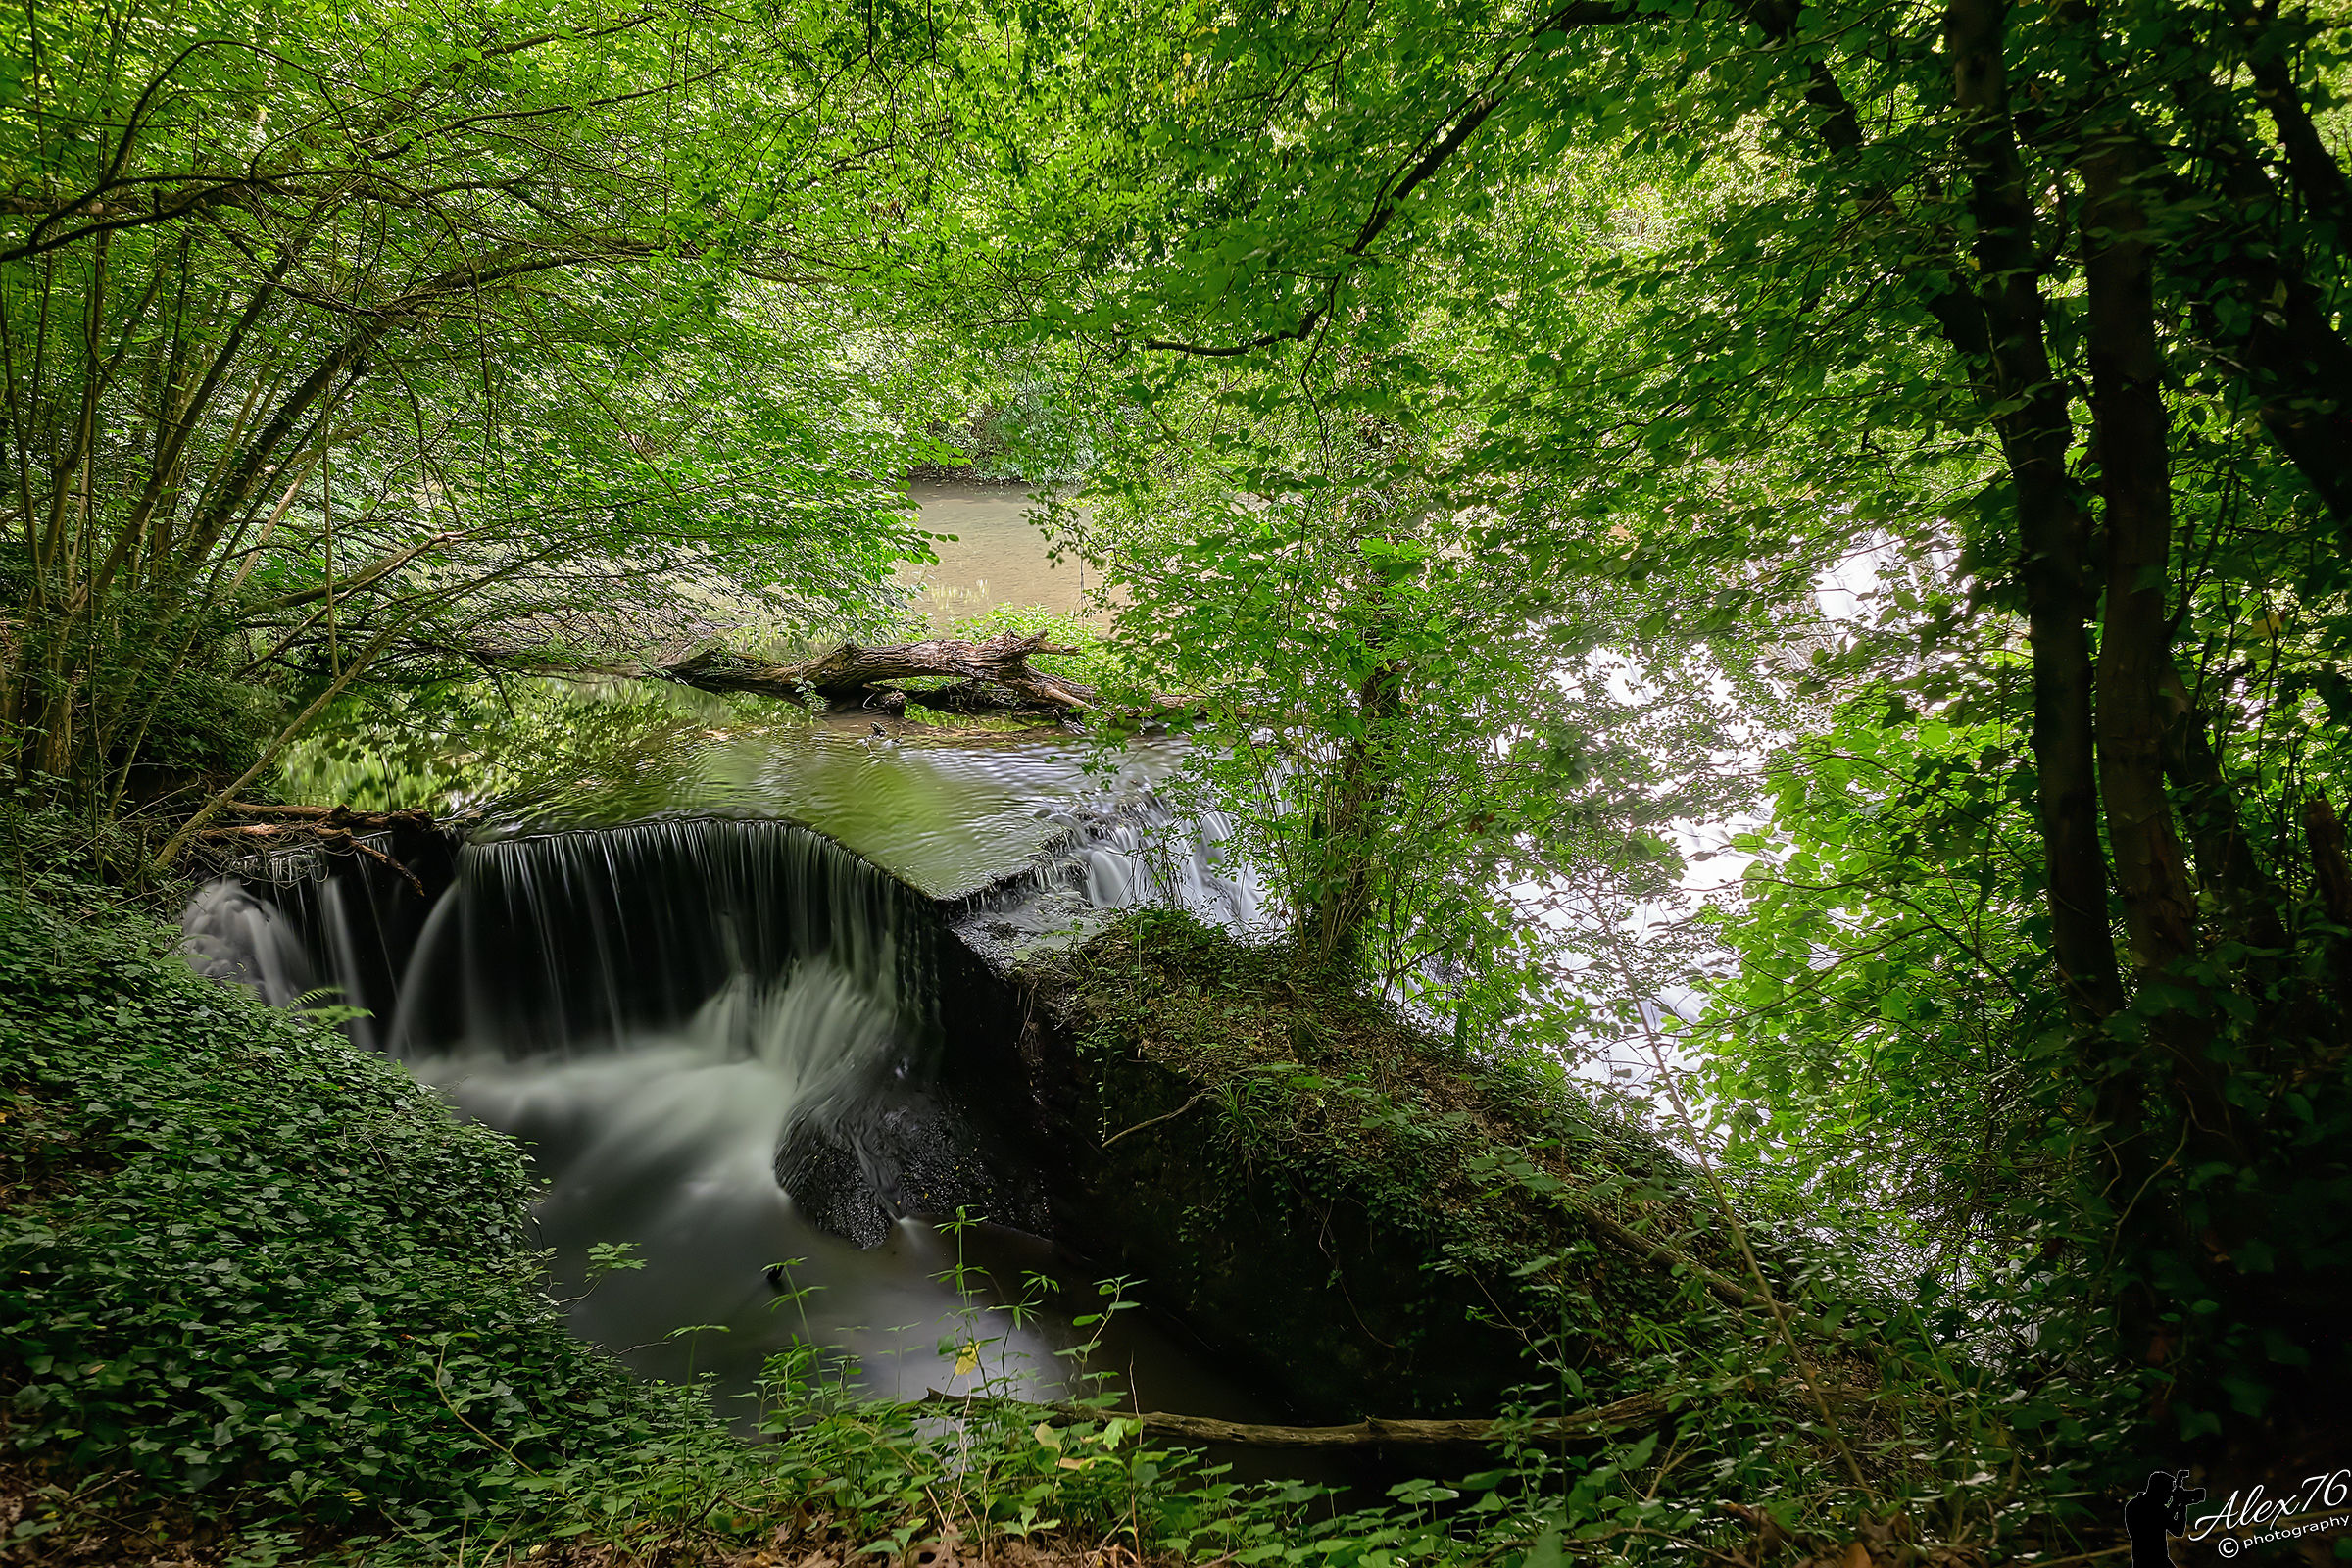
1812,1401
244,1260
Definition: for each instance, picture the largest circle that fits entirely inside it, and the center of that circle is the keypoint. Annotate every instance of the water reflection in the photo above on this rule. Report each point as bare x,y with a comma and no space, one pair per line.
950,812
948,808
998,556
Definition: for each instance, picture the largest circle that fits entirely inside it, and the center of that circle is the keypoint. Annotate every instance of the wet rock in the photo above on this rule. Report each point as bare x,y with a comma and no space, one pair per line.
915,1152
819,1168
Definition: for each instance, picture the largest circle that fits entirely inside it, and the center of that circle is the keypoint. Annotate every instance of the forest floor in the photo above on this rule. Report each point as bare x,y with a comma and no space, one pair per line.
91,1534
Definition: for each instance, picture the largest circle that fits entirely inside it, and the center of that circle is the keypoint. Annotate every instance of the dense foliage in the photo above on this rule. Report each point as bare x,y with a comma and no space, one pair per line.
242,1256
2013,333
1542,448
430,337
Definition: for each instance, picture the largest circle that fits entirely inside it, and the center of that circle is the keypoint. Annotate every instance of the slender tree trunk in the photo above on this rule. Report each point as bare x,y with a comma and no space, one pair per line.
2035,432
2134,458
2249,899
2278,334
2331,882
1360,794
2318,178
174,441
2133,443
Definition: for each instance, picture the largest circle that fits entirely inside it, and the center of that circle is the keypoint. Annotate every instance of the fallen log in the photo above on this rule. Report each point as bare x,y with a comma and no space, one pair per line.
1627,1414
851,675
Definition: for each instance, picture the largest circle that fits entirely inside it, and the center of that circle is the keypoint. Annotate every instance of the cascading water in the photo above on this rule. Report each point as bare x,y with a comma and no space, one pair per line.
722,1043
229,934
1135,851
666,1138
287,930
1116,849
559,942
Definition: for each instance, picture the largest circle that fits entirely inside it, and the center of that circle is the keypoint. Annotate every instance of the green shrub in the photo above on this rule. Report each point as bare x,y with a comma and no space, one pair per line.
55,854
239,1256
200,724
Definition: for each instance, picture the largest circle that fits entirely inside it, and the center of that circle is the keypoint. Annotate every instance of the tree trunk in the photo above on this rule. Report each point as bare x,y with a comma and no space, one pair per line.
2035,432
2249,901
2280,339
2131,441
2134,459
2332,881
1341,899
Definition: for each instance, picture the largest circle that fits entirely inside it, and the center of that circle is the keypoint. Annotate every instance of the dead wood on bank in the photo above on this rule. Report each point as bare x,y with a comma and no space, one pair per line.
1623,1415
334,830
1629,1414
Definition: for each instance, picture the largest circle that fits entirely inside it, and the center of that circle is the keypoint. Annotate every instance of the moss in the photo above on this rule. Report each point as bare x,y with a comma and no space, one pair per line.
1306,1170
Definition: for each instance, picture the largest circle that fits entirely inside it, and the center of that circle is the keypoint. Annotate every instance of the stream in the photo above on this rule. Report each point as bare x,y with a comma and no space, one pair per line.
696,955
678,987
996,555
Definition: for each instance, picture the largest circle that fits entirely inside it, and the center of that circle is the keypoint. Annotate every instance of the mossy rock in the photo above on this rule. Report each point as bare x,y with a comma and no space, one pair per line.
1326,1190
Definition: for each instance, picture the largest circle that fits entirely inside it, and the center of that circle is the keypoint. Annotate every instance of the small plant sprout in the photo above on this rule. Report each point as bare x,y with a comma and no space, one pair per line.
610,1257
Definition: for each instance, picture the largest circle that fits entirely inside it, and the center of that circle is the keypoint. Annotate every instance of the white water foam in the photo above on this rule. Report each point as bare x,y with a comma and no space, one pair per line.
650,1010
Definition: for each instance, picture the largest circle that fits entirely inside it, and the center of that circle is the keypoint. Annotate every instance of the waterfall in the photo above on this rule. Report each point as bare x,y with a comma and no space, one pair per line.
229,934
659,1012
293,923
566,941
1129,851
666,1138
722,1043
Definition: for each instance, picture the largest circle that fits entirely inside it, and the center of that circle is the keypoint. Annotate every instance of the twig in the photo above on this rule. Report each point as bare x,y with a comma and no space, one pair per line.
1155,1120
332,838
343,839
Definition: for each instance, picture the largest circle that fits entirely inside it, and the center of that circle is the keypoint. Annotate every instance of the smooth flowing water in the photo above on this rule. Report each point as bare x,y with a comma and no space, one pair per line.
658,1010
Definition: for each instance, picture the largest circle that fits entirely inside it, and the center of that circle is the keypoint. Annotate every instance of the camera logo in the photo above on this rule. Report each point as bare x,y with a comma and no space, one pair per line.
2156,1513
